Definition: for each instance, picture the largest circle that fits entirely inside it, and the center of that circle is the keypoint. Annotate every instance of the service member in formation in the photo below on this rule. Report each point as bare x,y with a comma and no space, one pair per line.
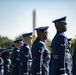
15,57
1,62
68,59
74,62
25,56
59,46
51,55
40,53
7,62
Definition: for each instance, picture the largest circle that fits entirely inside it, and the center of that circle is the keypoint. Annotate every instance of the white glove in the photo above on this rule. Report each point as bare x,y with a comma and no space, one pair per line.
64,74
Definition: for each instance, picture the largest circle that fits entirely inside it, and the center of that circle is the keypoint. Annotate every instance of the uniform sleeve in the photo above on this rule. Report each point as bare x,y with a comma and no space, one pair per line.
14,57
39,53
62,49
24,58
7,66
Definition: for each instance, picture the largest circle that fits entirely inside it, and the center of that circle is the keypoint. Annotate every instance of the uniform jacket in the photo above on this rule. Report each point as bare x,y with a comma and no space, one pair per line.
25,60
68,62
41,58
1,66
59,46
15,61
74,62
7,64
50,63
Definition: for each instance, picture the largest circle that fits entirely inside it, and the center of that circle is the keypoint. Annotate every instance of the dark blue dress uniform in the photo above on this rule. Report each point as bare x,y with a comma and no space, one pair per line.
1,66
59,46
7,62
50,63
15,59
25,57
74,62
68,58
41,57
68,62
1,62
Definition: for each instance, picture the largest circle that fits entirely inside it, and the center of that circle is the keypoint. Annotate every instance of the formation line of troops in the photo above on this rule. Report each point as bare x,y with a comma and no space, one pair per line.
38,60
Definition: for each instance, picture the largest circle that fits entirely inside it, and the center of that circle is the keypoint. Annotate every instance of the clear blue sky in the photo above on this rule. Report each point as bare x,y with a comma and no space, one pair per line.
16,16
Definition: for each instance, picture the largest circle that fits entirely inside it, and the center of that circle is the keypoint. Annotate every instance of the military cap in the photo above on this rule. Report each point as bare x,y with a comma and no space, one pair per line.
13,45
63,19
42,28
18,40
27,34
7,51
69,39
2,49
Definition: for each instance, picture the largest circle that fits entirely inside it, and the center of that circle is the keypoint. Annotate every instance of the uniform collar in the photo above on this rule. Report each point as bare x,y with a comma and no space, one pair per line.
40,39
17,48
25,43
60,32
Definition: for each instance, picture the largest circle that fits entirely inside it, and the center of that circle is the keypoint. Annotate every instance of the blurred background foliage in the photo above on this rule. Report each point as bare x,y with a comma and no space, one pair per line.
73,45
5,42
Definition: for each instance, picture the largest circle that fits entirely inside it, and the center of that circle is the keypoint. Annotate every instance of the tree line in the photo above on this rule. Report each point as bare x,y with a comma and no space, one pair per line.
5,42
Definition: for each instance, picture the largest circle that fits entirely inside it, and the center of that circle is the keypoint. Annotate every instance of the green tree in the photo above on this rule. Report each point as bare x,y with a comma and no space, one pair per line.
19,37
5,42
73,45
33,38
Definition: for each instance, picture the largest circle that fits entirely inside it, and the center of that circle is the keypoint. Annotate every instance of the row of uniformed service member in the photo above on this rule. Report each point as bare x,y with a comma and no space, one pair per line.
5,62
36,61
